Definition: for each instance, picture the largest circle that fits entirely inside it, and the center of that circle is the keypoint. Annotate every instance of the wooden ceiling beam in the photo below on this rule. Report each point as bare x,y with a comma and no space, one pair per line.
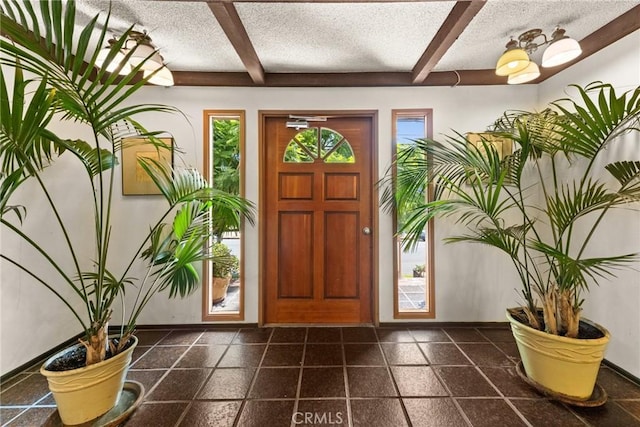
229,20
610,33
460,16
317,1
383,79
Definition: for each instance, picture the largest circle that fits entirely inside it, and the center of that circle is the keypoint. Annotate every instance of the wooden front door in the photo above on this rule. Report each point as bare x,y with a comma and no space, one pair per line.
317,212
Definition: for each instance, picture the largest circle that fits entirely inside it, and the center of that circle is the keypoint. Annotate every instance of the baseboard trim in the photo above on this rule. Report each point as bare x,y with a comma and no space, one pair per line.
191,326
628,375
444,324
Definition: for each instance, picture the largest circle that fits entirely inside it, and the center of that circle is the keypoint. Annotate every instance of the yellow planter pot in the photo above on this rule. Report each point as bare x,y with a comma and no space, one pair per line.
568,366
220,286
86,393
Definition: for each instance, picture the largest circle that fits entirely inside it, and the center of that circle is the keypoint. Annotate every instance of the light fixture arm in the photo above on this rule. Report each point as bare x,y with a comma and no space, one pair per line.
139,37
527,40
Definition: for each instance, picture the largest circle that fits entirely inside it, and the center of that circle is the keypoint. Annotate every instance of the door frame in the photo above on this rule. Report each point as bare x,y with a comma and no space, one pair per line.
263,115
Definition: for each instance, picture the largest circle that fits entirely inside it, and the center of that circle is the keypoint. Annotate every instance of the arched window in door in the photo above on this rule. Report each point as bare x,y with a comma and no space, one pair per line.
319,144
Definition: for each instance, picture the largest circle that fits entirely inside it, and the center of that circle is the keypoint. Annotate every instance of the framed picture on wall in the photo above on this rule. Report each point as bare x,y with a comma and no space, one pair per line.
135,181
504,146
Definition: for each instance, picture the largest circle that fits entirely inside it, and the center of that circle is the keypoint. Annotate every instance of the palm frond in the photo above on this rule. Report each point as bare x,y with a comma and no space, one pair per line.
571,203
586,129
8,185
26,144
95,161
110,282
509,239
179,185
573,272
626,172
184,246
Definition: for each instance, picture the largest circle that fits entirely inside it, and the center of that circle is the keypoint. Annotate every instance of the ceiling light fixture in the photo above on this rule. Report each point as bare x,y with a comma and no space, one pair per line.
516,64
141,52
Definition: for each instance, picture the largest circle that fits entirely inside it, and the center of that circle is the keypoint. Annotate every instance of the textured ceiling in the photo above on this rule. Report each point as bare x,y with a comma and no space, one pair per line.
341,37
411,39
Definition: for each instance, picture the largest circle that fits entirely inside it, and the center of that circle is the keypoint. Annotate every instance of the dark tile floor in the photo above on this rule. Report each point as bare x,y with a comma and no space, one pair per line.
360,376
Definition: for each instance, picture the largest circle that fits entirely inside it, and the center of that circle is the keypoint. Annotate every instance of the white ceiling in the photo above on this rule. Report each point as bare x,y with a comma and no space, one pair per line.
345,37
341,37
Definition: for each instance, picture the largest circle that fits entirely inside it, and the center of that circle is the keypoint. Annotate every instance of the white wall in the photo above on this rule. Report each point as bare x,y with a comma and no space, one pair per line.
460,108
615,303
476,294
471,285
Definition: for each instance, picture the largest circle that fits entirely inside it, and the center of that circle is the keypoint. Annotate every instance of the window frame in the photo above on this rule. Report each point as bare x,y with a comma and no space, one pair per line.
429,311
208,116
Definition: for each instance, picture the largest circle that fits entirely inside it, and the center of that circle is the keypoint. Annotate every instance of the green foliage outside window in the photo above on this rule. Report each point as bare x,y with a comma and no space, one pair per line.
415,201
226,155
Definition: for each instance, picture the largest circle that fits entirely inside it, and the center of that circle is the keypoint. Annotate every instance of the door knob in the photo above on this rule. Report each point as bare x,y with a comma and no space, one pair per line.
366,230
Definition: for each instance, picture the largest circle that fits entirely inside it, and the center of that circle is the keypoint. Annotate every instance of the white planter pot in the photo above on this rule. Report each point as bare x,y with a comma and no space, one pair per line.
86,393
567,366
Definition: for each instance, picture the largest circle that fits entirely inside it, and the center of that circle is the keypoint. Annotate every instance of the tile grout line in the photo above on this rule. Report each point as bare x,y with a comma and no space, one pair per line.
500,393
453,398
299,387
243,404
184,411
506,400
206,380
345,375
170,368
390,374
16,416
495,345
617,402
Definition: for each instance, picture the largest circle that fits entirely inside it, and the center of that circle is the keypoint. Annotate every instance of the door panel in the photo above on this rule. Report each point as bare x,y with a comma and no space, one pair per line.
344,186
341,267
317,202
295,255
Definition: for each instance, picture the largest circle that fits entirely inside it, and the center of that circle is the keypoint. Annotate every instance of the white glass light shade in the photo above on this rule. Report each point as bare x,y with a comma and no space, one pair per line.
560,52
141,53
532,72
512,61
162,78
115,62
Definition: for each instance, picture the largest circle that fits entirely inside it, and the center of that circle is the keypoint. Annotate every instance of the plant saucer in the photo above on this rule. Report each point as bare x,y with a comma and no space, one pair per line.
598,397
130,399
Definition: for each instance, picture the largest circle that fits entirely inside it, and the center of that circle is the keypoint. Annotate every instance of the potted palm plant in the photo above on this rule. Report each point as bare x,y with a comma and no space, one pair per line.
65,84
224,266
531,205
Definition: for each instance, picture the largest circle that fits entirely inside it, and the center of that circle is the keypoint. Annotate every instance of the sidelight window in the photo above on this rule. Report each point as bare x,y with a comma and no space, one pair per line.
223,163
413,281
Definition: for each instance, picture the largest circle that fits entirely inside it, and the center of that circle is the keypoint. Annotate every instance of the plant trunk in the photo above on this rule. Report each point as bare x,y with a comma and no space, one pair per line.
549,310
96,346
570,316
532,318
121,344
